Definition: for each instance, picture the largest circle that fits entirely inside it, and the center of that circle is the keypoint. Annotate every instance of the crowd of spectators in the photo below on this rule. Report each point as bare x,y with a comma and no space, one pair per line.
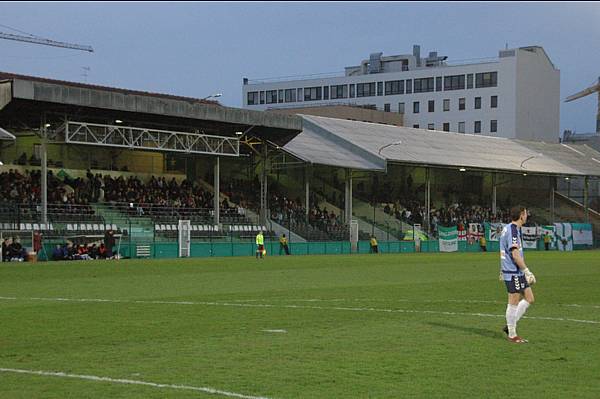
23,190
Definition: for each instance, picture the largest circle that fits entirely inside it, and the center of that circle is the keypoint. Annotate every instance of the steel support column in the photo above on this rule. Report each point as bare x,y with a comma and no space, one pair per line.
44,176
217,190
348,197
586,193
428,199
494,193
263,186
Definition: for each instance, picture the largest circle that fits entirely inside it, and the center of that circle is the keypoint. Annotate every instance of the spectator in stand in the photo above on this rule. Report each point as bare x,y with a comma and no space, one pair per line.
547,240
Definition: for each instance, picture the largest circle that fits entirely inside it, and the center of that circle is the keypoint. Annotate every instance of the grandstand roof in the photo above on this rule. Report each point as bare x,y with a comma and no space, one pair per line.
22,96
4,135
357,145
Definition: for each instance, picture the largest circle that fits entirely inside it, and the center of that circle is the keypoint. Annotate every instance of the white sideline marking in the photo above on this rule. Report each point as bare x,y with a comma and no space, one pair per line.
275,331
268,305
574,305
131,382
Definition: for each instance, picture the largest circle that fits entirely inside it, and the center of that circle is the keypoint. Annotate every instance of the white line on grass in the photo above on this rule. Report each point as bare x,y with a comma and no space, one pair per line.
574,305
268,305
131,382
275,331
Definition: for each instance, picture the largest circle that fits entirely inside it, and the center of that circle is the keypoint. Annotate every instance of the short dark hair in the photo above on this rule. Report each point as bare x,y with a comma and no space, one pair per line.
515,212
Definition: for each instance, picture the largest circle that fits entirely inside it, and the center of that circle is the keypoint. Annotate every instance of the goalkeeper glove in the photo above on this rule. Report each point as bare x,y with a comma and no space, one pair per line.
529,276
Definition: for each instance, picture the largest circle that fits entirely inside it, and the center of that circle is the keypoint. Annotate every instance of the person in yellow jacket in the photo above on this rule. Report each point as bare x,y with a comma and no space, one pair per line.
547,240
260,244
483,243
283,245
374,247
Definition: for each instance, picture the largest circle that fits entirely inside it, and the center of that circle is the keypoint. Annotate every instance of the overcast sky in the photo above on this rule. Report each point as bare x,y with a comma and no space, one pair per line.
197,49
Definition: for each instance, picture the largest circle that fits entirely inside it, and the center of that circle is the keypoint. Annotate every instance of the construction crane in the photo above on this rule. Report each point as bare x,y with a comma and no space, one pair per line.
592,89
45,42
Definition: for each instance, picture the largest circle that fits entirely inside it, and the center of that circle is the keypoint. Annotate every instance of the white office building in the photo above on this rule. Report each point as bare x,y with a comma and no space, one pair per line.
516,95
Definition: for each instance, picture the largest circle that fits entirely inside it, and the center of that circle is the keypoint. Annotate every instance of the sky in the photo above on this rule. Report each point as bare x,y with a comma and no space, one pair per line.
199,49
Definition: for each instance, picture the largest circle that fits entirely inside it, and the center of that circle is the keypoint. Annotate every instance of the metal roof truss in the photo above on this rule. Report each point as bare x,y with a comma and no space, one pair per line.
148,139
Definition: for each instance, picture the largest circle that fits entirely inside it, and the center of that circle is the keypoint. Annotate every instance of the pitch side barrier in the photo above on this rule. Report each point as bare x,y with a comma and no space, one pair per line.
166,250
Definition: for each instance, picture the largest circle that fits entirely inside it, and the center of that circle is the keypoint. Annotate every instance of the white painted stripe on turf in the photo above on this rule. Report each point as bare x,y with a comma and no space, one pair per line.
131,382
275,331
268,305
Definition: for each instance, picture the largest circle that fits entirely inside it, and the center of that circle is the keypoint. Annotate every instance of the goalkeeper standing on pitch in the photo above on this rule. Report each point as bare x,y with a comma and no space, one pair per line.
514,273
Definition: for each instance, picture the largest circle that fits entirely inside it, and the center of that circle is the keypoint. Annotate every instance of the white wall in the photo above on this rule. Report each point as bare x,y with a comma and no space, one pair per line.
538,98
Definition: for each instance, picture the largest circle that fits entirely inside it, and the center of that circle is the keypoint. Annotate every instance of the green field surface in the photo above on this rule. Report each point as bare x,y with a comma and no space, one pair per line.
338,326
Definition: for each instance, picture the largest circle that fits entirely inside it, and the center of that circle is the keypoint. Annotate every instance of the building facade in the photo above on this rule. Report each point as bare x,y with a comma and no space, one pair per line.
516,95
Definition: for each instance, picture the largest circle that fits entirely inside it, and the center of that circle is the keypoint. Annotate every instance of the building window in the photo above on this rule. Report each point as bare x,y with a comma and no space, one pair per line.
486,79
415,107
431,106
386,107
416,126
494,102
380,88
493,126
393,87
431,126
408,86
438,83
325,92
401,108
290,95
252,97
262,97
477,102
446,104
312,93
470,81
446,127
339,91
280,96
365,89
271,96
461,104
299,98
461,127
454,82
423,85
477,127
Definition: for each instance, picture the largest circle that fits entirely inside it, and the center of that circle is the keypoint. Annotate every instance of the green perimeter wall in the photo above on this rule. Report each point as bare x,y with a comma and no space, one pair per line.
165,250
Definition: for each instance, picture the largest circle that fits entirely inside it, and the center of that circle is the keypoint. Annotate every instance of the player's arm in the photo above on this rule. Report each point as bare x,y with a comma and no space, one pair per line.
520,262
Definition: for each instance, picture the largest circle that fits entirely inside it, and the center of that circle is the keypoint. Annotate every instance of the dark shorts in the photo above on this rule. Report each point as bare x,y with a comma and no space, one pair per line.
516,284
261,247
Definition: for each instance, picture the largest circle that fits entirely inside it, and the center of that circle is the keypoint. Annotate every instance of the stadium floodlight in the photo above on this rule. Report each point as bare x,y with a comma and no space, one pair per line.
47,125
118,121
213,96
1,163
389,145
462,170
239,133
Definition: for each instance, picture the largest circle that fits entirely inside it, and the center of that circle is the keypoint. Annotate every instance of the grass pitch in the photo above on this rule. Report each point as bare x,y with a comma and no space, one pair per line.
361,326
